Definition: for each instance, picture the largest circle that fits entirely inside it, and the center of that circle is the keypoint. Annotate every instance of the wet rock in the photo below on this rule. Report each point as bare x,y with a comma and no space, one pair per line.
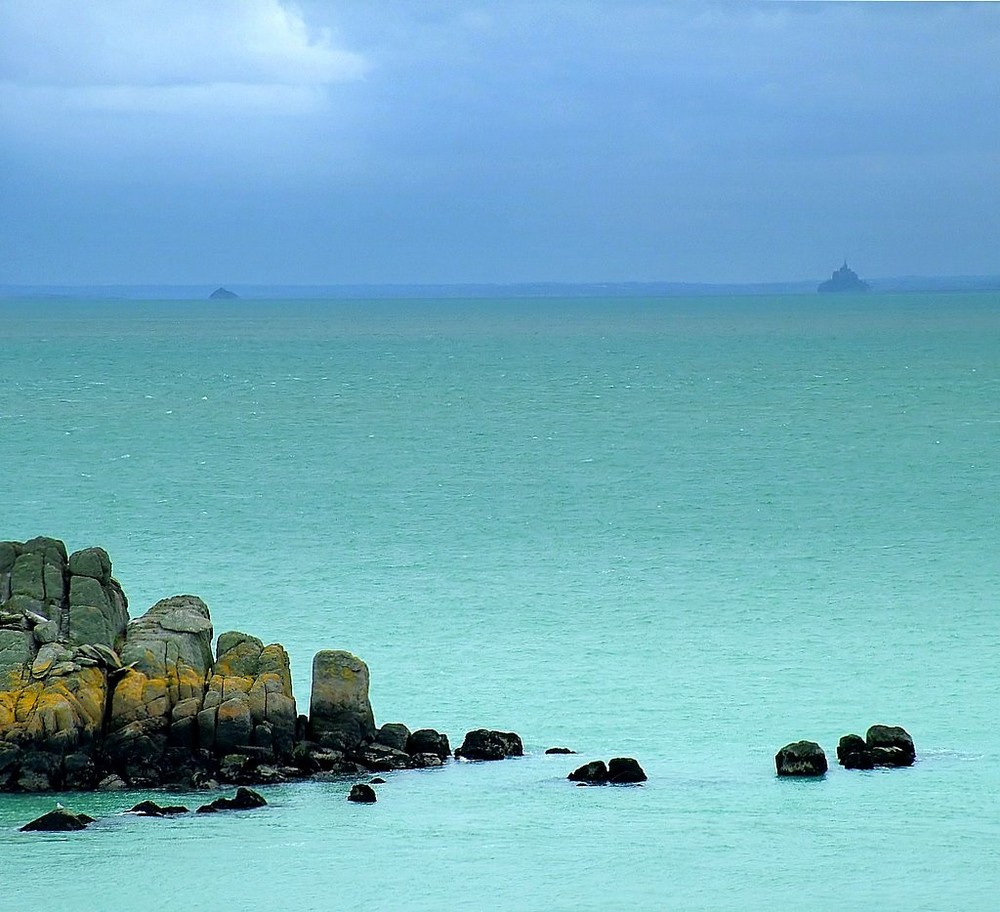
560,750
378,758
801,758
340,713
853,753
593,773
245,799
58,821
112,783
625,771
152,809
376,780
428,741
484,744
362,793
890,745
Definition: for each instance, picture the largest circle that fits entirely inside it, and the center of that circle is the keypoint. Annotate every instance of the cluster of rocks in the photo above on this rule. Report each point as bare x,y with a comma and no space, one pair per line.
63,820
882,746
617,771
92,699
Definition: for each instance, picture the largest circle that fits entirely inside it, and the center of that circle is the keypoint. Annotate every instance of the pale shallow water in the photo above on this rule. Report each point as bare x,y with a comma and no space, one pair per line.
683,530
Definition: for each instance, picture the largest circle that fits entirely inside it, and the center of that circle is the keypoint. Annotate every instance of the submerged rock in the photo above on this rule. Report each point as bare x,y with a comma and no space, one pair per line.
362,793
58,821
801,758
485,744
152,809
560,750
245,799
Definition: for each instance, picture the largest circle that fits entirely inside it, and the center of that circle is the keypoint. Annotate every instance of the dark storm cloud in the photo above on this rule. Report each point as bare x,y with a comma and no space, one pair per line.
352,142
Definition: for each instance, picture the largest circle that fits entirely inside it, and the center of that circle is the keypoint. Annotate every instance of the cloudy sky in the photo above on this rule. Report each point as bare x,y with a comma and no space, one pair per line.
382,141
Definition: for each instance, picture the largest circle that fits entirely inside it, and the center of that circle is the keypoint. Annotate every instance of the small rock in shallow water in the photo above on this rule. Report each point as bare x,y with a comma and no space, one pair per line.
560,750
152,809
244,800
362,793
58,821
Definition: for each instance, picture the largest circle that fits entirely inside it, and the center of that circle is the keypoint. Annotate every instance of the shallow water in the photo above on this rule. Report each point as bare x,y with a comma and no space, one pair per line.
683,530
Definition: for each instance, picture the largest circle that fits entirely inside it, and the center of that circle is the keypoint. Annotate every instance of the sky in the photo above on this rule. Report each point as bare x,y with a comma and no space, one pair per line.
392,141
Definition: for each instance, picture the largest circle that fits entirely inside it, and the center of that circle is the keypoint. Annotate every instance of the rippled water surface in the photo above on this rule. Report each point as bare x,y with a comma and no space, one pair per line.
683,530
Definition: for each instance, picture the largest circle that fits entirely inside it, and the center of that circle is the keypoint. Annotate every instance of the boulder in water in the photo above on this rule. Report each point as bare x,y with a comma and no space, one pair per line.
485,744
593,773
625,771
890,745
362,793
853,753
801,758
428,741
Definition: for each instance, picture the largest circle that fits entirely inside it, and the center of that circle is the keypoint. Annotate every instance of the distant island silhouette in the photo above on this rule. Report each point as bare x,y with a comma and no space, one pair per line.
844,279
221,293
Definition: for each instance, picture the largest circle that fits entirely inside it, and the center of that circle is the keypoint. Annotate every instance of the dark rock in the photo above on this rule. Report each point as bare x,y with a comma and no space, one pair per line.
853,753
362,793
560,750
58,821
152,809
890,745
483,744
423,761
381,759
625,770
393,734
593,773
376,780
428,741
244,800
79,772
801,758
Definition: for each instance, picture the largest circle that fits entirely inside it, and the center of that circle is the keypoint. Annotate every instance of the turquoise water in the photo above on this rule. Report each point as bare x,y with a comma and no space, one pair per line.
683,530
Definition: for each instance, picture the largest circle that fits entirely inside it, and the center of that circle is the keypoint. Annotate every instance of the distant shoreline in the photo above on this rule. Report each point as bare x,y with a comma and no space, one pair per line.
493,290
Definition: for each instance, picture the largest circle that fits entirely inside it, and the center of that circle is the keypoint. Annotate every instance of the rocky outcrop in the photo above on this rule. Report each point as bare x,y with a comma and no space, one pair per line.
801,758
90,699
152,809
249,701
485,744
340,714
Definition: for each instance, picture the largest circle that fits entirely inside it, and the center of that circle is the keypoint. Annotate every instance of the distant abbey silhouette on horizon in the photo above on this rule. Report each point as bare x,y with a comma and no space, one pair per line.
843,279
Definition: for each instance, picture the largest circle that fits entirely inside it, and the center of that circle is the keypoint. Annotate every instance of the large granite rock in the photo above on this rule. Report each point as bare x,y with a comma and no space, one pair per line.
58,821
801,758
168,658
249,701
340,714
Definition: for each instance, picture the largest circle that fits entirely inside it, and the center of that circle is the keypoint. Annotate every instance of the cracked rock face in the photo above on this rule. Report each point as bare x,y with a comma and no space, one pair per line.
339,709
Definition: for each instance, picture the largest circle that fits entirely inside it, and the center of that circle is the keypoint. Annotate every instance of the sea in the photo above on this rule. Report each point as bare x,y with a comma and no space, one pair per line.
684,530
